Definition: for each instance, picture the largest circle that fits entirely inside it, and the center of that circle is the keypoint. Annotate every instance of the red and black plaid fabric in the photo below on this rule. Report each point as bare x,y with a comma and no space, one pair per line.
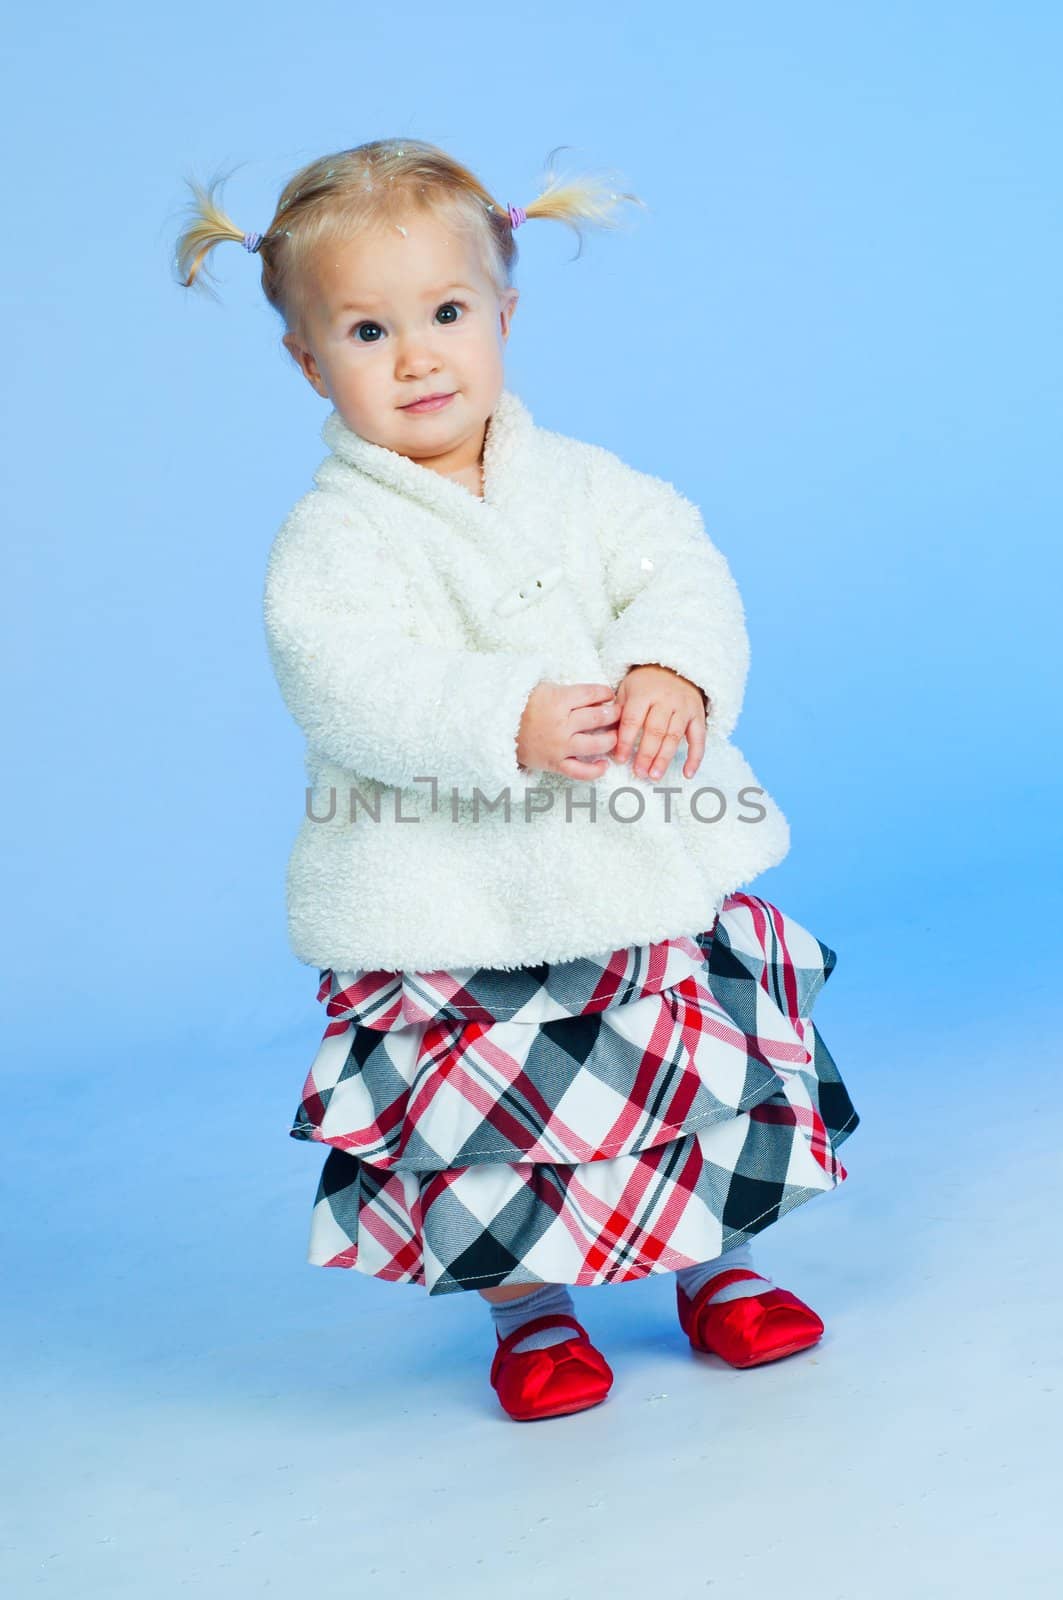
582,1122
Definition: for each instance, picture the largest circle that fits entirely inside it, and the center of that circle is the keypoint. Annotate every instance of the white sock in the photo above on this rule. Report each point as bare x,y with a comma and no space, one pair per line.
691,1278
549,1299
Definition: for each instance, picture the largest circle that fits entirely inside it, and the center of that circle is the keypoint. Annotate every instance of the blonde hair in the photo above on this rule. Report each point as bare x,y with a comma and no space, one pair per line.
339,196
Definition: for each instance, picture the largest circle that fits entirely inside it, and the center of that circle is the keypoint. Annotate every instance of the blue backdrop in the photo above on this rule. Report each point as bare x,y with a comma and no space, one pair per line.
837,329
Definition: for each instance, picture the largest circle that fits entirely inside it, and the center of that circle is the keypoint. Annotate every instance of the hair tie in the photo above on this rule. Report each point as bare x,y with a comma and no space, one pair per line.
517,215
252,241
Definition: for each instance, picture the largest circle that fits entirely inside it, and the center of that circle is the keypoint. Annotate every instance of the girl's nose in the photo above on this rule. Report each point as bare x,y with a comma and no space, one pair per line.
414,360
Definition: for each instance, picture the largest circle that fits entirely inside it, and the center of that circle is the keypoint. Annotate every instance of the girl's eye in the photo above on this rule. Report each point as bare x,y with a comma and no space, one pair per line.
452,305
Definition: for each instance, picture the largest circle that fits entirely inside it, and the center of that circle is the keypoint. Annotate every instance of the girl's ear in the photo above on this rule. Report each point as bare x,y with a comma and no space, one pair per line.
304,360
507,307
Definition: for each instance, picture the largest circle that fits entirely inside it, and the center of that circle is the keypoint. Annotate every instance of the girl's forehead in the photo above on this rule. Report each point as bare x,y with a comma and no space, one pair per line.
408,252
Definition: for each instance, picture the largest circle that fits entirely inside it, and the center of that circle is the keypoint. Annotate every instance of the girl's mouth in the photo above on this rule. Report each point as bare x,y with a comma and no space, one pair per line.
432,402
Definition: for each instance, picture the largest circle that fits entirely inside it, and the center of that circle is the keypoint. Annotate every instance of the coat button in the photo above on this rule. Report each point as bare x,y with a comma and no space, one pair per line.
534,589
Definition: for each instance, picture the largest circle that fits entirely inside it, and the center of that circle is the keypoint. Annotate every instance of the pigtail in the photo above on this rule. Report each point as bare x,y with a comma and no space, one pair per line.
208,225
579,199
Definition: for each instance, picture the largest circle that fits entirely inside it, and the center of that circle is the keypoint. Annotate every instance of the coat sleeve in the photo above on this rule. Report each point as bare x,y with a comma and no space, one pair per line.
673,598
367,693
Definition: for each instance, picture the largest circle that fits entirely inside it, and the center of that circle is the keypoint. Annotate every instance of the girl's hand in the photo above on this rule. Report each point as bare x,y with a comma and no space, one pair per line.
665,707
568,728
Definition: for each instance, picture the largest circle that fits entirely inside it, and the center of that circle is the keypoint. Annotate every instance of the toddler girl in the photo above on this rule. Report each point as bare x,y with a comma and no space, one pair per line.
564,1046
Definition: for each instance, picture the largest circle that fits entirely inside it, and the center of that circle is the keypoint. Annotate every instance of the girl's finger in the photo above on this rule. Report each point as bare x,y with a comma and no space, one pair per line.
586,771
658,746
588,719
632,715
589,694
592,744
695,737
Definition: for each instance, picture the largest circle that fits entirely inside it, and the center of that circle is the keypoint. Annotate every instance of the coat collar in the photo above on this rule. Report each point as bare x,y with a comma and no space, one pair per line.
508,430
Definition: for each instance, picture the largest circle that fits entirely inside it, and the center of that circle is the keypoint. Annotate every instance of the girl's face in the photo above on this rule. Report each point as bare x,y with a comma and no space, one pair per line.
399,315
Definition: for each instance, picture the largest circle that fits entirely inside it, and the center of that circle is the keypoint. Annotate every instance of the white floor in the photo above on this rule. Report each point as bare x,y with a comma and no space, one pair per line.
190,1408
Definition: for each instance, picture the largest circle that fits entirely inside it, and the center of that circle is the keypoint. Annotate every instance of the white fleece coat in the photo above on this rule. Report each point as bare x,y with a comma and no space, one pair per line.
408,621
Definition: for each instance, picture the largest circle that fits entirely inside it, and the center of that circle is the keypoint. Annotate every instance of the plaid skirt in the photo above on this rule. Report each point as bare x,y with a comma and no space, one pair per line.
582,1122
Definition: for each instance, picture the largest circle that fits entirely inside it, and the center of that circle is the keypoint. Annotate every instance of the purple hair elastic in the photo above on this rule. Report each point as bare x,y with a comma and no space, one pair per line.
517,215
252,241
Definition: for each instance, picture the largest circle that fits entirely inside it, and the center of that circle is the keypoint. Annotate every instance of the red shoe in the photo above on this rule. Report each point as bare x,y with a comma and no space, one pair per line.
564,1377
750,1330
